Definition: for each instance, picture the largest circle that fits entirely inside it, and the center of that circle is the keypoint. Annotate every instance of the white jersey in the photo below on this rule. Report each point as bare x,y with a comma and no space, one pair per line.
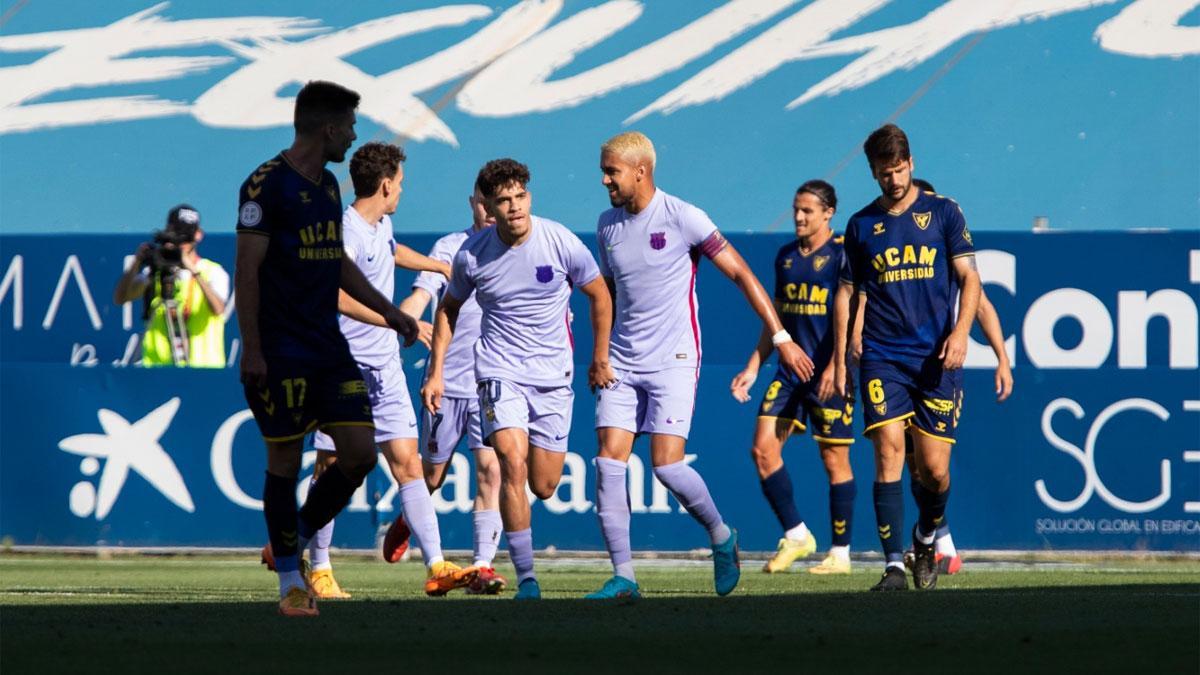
372,247
458,370
652,257
525,335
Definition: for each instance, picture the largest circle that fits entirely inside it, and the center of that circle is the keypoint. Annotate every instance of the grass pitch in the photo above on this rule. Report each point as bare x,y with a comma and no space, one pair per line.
217,614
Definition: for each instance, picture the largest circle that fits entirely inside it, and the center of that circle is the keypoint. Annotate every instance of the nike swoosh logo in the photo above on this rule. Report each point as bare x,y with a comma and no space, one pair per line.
559,438
370,260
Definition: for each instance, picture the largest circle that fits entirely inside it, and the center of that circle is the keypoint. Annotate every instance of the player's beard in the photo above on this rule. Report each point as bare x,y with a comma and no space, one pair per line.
616,198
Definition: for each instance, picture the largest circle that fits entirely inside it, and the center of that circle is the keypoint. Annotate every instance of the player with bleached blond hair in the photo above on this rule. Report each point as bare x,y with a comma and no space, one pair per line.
650,245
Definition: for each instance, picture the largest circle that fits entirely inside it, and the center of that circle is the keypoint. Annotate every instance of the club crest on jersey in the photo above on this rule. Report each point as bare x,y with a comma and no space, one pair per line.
878,228
922,219
819,262
658,240
544,273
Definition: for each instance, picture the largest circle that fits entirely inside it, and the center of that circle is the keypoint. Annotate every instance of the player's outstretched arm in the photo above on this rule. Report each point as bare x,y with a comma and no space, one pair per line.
408,259
251,249
740,386
954,351
414,305
732,265
357,287
842,301
600,373
989,322
444,321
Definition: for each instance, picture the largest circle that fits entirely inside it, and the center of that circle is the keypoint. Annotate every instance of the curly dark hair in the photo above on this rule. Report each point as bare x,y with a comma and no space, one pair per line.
821,190
499,173
318,101
372,163
886,146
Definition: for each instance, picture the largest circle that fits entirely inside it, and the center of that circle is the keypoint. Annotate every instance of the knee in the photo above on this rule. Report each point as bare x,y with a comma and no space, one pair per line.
935,478
357,465
487,474
543,490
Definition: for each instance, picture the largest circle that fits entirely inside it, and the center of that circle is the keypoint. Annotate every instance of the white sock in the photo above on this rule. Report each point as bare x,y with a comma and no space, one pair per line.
720,534
625,569
422,519
945,546
797,533
922,537
288,581
898,565
840,552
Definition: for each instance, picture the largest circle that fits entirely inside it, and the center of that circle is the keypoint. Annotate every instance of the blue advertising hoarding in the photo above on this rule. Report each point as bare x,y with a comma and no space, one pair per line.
1098,448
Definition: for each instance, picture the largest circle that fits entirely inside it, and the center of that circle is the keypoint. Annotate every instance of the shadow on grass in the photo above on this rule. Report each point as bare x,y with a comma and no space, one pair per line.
1102,628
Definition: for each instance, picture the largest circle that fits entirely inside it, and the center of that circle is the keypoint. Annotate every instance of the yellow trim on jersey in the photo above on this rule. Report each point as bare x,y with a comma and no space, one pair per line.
887,422
833,441
951,441
962,255
320,182
258,232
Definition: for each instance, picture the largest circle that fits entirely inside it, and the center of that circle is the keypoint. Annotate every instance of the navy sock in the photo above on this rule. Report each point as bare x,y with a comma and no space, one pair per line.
932,507
841,510
778,490
328,496
889,516
279,509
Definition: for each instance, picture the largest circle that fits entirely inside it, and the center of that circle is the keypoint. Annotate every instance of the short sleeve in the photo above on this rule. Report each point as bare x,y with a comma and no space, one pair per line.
461,284
852,271
958,237
432,282
353,244
257,210
218,279
581,267
602,248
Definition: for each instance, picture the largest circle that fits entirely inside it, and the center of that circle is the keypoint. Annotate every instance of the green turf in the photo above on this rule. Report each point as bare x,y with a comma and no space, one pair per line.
212,615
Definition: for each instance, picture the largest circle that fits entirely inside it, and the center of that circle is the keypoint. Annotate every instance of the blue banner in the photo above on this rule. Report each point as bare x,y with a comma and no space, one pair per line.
1098,448
1017,109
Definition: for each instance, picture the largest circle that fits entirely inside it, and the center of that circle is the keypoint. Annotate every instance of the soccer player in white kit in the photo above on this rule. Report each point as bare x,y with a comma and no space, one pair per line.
521,273
377,172
650,246
459,414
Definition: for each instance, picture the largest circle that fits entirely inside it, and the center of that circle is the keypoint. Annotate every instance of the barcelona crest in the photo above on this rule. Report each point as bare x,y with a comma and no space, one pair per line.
658,240
545,273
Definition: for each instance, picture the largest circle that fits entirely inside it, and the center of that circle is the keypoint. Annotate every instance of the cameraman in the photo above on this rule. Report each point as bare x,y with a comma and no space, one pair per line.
201,288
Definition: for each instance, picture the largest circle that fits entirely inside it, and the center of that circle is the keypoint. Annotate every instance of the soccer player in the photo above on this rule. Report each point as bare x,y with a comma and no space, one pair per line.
806,274
296,366
377,172
948,560
521,272
910,253
459,415
650,245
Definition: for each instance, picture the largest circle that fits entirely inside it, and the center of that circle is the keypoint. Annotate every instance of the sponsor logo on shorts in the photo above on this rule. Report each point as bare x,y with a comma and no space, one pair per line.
676,420
940,406
881,408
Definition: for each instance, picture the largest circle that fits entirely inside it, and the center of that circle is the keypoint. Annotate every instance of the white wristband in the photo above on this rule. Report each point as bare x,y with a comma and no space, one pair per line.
781,337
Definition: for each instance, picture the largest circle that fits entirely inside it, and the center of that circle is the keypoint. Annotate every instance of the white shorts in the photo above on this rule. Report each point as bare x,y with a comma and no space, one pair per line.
542,412
457,416
661,402
387,390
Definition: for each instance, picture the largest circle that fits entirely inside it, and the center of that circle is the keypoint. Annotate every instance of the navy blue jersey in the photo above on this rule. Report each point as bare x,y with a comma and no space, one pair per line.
805,285
903,264
301,273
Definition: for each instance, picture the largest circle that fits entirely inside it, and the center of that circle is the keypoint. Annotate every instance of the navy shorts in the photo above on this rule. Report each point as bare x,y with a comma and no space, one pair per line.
787,398
924,396
300,397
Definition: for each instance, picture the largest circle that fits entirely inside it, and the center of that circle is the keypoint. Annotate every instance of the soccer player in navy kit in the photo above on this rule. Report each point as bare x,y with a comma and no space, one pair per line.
806,279
909,252
296,366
